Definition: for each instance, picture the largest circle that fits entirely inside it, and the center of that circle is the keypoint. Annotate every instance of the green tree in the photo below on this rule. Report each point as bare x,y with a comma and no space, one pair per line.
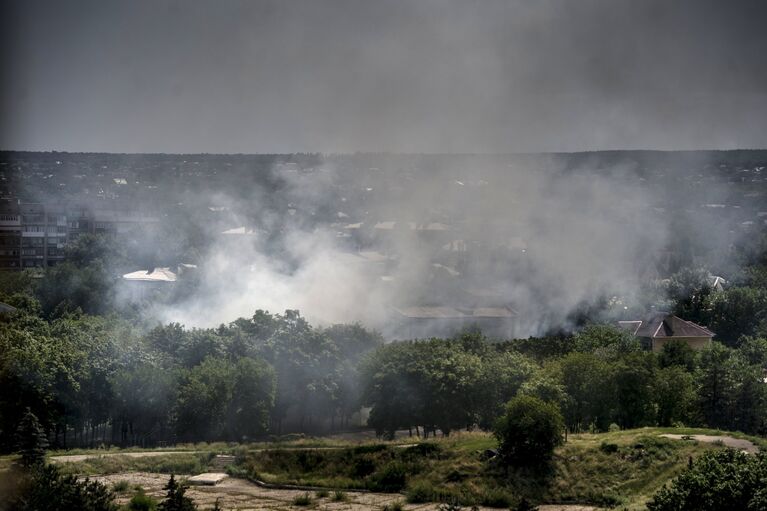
673,391
721,480
677,353
528,431
175,500
48,490
590,391
716,385
31,440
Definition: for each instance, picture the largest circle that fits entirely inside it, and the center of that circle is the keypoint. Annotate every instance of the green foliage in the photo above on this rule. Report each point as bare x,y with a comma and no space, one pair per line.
31,440
340,496
322,494
717,481
175,500
397,505
121,486
677,353
302,500
528,431
48,490
142,502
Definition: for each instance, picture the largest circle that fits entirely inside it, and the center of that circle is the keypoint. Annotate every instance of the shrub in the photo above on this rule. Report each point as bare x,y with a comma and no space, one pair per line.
528,431
419,492
142,502
121,486
423,450
608,447
302,500
322,494
49,490
391,477
339,496
175,500
718,480
394,506
496,498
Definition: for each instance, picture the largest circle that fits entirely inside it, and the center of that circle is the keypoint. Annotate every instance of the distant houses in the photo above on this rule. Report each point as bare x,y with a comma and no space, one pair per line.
663,327
429,321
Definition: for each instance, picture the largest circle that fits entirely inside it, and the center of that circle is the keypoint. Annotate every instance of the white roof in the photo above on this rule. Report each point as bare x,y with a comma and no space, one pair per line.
156,275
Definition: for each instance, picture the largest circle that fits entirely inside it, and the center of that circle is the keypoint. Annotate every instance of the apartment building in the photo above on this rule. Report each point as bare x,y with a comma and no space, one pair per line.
33,235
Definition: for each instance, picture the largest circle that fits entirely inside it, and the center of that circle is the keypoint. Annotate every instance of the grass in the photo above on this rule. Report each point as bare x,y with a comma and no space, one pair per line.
607,469
619,468
187,463
394,506
302,500
340,496
121,486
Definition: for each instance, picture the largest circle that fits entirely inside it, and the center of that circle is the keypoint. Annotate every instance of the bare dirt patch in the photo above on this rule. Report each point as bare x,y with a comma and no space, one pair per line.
728,441
243,495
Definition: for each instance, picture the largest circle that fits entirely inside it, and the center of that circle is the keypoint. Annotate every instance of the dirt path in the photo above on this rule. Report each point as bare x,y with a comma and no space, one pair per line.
65,458
735,443
243,495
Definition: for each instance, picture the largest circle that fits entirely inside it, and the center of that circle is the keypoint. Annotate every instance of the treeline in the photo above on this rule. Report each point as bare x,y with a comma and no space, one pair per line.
93,379
599,378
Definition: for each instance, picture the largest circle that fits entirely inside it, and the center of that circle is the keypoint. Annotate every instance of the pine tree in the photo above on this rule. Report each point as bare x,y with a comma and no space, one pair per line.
31,441
175,500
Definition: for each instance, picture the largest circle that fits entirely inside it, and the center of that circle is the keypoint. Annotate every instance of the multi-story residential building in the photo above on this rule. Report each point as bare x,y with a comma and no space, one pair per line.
33,235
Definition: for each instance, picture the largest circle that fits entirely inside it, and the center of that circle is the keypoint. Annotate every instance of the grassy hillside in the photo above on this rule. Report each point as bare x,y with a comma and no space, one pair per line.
622,468
619,468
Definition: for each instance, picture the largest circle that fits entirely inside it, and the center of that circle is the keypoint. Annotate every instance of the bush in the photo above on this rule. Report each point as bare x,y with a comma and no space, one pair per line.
302,500
717,481
419,492
121,486
391,477
394,506
49,490
322,494
142,502
528,431
608,448
339,496
496,498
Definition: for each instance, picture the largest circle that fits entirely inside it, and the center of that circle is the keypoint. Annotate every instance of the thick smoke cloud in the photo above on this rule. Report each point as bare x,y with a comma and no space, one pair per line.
543,239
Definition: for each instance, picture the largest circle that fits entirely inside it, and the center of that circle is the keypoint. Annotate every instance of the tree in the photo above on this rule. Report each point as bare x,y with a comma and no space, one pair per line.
31,440
677,353
528,431
175,500
48,490
634,377
250,406
716,385
590,389
718,481
673,391
736,312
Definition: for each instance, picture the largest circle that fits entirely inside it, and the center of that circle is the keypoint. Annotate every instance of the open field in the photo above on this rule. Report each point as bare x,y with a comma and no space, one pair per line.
622,468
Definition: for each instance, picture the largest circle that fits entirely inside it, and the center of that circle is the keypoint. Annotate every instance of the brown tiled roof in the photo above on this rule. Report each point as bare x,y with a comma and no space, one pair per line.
664,324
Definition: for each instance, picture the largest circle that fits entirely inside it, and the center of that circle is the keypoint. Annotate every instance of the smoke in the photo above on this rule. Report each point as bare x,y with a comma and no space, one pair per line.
537,236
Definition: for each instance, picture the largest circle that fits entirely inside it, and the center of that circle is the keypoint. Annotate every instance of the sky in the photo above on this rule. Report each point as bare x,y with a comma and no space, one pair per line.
231,76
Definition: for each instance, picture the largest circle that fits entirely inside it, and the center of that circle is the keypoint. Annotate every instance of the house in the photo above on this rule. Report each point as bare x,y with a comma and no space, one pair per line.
142,284
664,327
444,321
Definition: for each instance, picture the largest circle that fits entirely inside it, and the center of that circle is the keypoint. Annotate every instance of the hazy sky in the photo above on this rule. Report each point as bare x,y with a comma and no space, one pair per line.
416,76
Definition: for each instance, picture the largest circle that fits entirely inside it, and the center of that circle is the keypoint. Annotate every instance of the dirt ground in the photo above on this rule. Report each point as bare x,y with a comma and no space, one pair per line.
243,495
735,443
